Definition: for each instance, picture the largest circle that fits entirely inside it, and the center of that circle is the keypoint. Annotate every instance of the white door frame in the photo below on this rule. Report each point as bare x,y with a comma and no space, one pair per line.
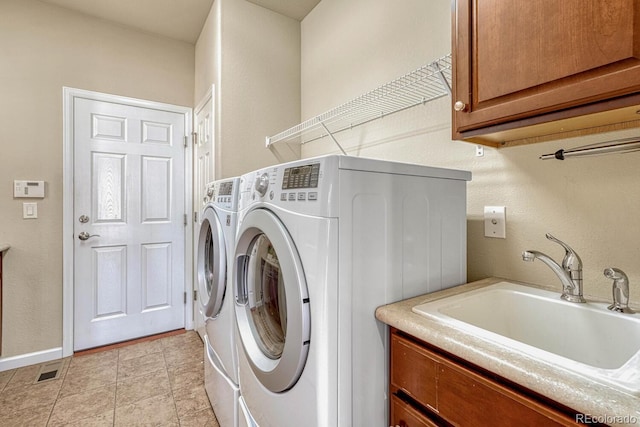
67,202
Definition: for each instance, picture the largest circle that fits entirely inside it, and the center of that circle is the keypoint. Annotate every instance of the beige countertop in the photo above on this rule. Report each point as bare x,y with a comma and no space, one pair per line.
568,388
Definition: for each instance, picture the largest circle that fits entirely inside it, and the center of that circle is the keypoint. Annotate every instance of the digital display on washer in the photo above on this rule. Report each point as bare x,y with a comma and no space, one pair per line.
301,177
226,188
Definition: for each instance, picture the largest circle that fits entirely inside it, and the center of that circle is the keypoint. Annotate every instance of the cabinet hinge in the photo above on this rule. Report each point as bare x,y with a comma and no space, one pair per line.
195,216
194,138
185,220
195,295
185,298
186,141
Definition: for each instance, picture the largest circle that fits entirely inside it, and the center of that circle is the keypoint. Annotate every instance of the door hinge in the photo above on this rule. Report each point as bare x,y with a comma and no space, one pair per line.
195,295
195,216
185,297
186,141
194,138
185,220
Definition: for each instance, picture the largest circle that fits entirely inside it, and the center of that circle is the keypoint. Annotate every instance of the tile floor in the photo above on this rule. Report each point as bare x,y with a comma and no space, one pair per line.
154,383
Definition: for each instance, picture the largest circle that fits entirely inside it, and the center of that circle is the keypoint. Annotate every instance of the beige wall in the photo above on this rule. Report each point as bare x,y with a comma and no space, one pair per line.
352,47
252,55
44,48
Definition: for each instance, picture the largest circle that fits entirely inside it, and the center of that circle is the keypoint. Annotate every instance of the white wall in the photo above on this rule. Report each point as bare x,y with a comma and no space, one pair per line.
44,48
252,55
349,48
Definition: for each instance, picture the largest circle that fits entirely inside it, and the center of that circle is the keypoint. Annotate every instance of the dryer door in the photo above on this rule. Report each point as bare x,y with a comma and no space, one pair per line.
212,263
272,302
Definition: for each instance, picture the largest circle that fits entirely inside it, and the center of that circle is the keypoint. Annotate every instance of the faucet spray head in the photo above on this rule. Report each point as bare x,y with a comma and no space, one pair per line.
528,256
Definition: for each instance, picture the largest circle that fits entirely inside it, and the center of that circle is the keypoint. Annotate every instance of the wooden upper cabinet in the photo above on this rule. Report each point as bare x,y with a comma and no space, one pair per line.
520,62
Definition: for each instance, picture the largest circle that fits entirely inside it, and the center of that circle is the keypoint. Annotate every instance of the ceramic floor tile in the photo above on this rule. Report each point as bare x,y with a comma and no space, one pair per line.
140,349
139,366
5,376
31,417
154,383
176,357
190,400
181,341
186,376
131,390
24,376
203,418
81,380
24,397
77,407
99,360
154,411
100,420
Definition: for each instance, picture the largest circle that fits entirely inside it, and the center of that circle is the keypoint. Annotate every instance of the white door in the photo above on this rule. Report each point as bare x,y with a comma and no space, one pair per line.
129,238
203,174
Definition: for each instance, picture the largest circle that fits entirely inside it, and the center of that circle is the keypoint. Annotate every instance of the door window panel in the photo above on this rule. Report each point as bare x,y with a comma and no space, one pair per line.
267,301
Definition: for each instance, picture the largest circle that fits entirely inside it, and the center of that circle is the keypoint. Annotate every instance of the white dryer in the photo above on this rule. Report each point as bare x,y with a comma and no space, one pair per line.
321,243
216,245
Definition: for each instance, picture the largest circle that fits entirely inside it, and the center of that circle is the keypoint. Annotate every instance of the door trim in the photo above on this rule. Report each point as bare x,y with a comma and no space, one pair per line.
68,95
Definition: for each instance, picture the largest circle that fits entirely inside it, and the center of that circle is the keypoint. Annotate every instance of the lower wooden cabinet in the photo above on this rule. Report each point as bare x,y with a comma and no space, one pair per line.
430,389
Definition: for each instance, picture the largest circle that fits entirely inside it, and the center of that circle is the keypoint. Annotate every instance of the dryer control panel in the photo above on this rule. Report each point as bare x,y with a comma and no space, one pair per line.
222,193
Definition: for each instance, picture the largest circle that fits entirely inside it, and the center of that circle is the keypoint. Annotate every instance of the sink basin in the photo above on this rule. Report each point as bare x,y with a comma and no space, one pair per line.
585,338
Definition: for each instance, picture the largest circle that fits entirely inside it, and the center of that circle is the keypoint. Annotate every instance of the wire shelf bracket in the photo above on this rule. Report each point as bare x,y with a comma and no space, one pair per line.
427,83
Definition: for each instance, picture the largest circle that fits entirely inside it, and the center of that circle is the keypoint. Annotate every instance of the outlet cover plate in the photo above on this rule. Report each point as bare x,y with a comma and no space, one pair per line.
495,221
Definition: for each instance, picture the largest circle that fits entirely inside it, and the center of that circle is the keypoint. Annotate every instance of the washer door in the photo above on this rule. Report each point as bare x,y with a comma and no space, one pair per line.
272,302
212,264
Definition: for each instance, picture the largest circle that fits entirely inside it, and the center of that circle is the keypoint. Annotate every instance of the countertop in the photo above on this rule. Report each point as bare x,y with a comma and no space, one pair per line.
570,389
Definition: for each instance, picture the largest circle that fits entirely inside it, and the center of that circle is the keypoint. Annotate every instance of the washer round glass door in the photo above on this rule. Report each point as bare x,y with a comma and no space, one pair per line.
272,302
212,264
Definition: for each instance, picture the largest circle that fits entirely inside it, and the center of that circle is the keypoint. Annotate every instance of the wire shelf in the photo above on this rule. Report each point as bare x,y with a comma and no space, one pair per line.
429,82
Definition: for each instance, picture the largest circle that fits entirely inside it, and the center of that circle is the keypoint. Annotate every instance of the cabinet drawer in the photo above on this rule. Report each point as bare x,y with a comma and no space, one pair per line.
404,415
468,399
414,372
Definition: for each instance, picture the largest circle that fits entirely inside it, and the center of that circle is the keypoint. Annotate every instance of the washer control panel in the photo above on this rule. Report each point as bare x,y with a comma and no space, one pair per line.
298,181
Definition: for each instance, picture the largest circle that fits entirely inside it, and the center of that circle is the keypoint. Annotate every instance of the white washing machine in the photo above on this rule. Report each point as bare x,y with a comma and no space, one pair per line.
216,245
321,243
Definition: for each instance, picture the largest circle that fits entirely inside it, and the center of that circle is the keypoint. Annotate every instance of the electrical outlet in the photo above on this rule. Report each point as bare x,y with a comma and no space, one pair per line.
495,221
479,151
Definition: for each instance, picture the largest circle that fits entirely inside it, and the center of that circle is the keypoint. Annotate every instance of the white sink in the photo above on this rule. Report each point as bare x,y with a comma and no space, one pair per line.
585,338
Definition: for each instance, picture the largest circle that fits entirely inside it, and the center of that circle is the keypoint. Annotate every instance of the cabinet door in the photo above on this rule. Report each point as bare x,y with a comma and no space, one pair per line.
521,58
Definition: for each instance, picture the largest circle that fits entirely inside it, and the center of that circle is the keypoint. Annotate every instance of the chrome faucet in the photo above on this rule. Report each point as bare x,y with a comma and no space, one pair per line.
620,290
570,273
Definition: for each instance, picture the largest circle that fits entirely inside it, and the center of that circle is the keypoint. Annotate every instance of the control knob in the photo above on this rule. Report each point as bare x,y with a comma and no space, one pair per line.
262,183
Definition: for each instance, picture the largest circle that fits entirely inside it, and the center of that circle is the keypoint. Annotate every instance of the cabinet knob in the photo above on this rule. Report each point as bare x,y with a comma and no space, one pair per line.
460,106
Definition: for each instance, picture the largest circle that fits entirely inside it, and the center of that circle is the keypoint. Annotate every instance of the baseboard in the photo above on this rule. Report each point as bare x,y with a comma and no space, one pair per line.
27,359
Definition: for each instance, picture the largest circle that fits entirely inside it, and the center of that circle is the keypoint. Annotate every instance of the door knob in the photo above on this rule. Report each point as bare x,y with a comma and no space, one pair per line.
83,235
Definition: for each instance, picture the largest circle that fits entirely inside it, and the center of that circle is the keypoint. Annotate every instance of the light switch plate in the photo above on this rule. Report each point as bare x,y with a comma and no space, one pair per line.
495,221
29,210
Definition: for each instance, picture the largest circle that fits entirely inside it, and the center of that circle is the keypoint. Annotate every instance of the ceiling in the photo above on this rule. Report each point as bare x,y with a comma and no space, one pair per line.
176,19
296,9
